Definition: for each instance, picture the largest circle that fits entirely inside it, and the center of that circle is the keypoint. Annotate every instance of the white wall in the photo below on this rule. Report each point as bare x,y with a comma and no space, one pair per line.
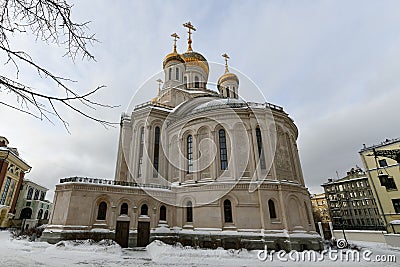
361,235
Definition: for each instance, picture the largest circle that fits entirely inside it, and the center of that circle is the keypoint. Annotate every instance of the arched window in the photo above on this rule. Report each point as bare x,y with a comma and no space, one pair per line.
101,214
36,197
189,212
156,150
30,193
228,211
144,210
228,94
177,74
163,213
140,162
46,214
260,148
222,150
124,209
170,74
190,153
185,80
26,213
42,195
196,82
40,213
271,208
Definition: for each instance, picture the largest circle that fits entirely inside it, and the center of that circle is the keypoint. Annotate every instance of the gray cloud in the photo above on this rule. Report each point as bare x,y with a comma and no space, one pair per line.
331,64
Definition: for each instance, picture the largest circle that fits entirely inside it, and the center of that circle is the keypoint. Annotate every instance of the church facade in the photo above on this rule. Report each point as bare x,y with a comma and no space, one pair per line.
196,166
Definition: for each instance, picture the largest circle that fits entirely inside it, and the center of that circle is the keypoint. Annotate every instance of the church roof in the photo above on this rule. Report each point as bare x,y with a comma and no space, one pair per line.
205,103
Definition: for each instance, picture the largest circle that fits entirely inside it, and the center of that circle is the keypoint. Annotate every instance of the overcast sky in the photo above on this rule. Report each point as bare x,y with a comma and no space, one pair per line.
333,65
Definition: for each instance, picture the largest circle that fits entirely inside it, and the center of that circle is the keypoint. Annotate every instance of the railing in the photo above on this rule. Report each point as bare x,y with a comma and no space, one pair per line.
234,105
386,142
339,226
265,105
150,103
273,106
87,180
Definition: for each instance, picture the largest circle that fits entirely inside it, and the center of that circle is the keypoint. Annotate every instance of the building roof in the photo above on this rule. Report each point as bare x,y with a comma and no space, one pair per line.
14,152
27,181
349,178
382,144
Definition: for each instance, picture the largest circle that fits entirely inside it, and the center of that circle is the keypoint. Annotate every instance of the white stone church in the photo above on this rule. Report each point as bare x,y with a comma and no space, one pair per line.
196,166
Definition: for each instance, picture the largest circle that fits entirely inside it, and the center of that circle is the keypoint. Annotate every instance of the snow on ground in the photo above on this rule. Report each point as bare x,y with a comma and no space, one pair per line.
107,253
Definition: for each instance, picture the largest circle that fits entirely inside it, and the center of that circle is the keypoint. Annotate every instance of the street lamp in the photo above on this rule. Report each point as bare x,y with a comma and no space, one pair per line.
342,223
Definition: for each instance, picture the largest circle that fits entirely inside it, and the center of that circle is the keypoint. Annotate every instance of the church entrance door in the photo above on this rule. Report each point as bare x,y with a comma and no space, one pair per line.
122,233
143,236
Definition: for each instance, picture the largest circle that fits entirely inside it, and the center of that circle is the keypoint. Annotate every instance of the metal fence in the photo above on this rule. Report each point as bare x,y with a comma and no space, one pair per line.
100,181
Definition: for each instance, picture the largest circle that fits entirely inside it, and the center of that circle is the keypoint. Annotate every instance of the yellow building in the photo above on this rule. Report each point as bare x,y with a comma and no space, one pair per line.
320,208
12,171
382,164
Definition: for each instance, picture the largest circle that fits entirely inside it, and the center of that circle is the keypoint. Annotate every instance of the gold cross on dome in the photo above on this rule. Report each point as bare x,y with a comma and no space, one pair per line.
190,28
226,62
176,37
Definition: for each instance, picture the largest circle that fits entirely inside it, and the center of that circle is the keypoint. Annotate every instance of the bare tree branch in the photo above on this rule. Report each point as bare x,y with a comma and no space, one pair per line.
49,21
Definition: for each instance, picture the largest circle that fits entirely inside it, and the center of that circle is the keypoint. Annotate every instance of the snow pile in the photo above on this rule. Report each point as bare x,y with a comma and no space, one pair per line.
106,246
178,254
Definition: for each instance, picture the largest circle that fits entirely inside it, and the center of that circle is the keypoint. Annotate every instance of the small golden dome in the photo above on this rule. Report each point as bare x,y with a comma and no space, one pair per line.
172,56
228,76
194,58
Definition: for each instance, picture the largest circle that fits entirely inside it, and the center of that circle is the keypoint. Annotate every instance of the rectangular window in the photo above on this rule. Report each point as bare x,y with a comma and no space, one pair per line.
10,193
396,205
189,154
5,191
382,163
140,162
156,150
140,167
390,184
223,150
260,148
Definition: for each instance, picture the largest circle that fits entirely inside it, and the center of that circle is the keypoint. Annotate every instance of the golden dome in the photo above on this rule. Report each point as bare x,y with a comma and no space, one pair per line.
228,76
172,56
194,58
